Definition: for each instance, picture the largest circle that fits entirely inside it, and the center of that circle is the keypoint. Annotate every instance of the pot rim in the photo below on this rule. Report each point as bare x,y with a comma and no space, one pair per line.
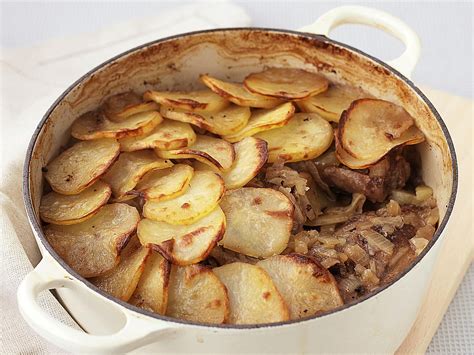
36,225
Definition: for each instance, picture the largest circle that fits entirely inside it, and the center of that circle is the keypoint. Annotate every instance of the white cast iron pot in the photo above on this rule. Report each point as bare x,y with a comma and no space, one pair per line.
376,324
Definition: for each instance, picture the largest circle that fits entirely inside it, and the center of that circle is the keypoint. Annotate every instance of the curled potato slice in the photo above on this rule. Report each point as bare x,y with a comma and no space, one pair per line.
259,221
71,209
92,247
286,83
94,125
184,244
306,136
348,160
215,152
263,120
253,296
129,168
166,136
196,101
121,106
196,294
165,184
306,286
238,94
81,165
204,193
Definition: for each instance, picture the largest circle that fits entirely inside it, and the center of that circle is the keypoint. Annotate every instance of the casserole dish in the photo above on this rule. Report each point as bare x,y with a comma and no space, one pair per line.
376,323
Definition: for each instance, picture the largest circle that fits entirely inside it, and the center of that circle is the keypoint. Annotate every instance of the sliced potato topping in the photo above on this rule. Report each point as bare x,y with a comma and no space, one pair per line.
196,101
81,165
286,83
306,286
196,294
259,221
121,106
348,160
306,136
263,120
253,296
71,209
204,193
92,247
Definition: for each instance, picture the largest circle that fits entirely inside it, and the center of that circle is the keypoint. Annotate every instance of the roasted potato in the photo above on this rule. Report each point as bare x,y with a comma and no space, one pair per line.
121,106
196,101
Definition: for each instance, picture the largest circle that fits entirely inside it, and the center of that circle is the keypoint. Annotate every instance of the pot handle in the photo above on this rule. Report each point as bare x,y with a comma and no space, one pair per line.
376,18
135,333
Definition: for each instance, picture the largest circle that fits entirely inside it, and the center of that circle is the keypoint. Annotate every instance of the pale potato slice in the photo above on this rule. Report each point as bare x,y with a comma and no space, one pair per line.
196,101
253,296
306,136
204,193
121,106
92,247
122,281
286,83
196,294
348,160
227,121
263,120
94,125
238,94
166,136
165,184
184,244
125,173
306,286
79,166
250,155
71,209
259,221
215,152
151,292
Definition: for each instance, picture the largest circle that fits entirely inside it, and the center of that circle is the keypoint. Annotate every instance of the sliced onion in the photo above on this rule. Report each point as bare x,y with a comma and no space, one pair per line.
378,241
357,254
418,244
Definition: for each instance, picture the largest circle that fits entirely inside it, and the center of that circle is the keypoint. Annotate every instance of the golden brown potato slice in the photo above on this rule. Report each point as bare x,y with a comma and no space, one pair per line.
348,160
286,83
253,296
204,193
215,152
151,292
121,106
184,244
238,94
81,165
196,294
95,125
71,209
196,101
92,247
166,136
227,121
306,286
259,221
125,173
306,136
263,120
165,184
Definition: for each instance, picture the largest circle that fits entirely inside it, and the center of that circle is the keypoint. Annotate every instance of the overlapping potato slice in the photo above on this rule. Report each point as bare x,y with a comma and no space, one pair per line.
227,121
81,165
348,160
125,173
71,209
92,247
253,296
286,83
122,281
121,106
94,125
184,244
196,101
306,136
262,120
215,152
238,94
166,136
259,221
196,294
202,196
151,292
307,287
